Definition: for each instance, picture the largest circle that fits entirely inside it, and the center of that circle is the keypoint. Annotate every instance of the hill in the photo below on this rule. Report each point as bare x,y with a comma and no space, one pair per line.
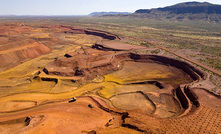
184,11
107,13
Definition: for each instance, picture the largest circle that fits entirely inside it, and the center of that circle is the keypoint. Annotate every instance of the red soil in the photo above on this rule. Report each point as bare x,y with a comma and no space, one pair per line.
77,117
117,46
200,111
20,46
95,62
18,54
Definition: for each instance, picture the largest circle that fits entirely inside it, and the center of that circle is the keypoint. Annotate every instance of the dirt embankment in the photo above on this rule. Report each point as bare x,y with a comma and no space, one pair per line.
84,115
116,46
14,56
22,43
95,62
102,34
150,92
193,72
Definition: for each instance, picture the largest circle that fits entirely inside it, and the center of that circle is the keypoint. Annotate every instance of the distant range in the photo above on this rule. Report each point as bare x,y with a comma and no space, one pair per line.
183,11
108,13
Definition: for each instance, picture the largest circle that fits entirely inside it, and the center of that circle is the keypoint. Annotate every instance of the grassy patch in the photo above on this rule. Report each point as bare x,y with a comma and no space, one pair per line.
215,63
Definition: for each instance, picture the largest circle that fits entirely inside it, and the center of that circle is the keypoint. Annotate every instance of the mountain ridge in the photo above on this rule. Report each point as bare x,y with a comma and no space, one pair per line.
186,11
186,7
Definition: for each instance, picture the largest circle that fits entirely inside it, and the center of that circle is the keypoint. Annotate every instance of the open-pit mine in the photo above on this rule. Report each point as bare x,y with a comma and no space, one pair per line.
62,79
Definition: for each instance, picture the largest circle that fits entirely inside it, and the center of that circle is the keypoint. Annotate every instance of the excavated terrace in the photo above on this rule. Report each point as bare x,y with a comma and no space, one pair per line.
115,91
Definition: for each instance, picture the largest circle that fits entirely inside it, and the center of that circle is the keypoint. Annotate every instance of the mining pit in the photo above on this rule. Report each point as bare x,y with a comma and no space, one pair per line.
115,90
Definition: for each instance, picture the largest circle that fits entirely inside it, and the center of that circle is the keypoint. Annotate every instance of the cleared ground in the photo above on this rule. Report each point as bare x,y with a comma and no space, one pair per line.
116,91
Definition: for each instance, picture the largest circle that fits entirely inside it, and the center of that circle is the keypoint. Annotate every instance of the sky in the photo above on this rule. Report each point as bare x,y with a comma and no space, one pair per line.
81,7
